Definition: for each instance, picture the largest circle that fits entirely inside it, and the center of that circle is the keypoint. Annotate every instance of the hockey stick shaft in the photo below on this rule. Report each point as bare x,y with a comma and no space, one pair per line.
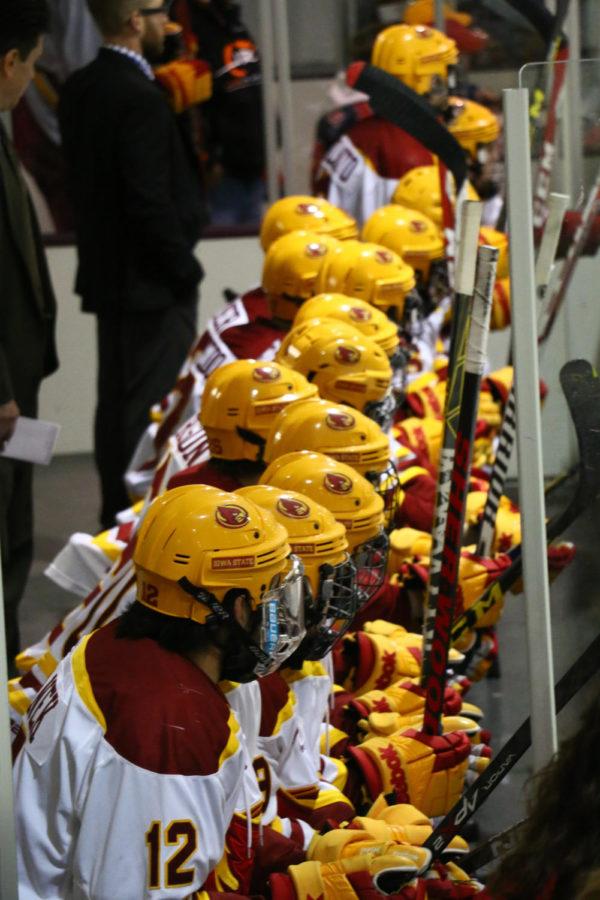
465,285
473,798
575,250
439,632
581,387
543,270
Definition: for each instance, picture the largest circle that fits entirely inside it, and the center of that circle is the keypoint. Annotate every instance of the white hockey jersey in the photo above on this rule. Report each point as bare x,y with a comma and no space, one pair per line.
127,776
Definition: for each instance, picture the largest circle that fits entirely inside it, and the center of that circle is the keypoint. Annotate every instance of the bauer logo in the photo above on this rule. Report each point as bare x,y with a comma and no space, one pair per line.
417,227
266,374
292,508
340,421
233,562
347,356
337,483
232,516
360,315
315,250
309,209
384,257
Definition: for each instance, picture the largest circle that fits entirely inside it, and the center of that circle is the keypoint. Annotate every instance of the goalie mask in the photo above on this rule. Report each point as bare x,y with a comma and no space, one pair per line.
421,57
331,597
344,434
368,271
241,400
291,266
345,366
350,498
304,213
198,549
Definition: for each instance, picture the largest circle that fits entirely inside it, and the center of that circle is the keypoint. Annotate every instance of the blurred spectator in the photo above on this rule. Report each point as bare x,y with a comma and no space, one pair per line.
232,121
72,42
559,844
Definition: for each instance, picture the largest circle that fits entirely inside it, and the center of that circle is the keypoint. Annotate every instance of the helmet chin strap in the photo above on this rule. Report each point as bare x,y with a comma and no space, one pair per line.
241,653
251,437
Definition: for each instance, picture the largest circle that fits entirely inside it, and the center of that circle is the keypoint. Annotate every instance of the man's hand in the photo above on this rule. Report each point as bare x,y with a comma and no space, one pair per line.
9,413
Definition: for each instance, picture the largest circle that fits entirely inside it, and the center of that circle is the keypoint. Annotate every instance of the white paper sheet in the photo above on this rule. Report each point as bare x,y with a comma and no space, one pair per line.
33,440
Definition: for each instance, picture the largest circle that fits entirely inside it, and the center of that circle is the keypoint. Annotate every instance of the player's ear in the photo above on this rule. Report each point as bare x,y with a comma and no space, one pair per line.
242,611
8,62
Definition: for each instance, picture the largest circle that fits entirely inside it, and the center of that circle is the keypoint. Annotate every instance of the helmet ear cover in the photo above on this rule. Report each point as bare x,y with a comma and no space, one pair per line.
222,614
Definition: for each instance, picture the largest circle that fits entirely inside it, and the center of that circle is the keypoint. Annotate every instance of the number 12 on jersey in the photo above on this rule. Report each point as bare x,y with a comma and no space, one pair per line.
181,834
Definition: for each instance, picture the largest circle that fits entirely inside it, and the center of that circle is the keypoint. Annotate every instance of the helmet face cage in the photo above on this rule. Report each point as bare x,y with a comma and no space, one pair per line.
370,560
387,484
282,621
382,411
336,606
439,285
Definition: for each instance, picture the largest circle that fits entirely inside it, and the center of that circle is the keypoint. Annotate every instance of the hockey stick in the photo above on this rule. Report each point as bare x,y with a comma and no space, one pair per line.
543,270
572,681
439,631
398,104
575,250
581,387
492,849
465,285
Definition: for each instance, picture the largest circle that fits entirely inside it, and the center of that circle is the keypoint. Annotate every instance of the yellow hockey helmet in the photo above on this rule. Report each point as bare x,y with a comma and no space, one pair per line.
292,264
301,212
421,12
420,189
420,56
349,497
499,240
368,271
409,233
345,366
369,320
196,544
474,126
319,540
342,433
242,399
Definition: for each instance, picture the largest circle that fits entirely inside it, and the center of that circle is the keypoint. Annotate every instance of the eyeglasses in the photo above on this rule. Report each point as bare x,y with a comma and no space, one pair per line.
163,10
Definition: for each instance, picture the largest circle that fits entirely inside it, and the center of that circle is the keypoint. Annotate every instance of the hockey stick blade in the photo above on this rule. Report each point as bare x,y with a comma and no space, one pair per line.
581,387
492,849
473,798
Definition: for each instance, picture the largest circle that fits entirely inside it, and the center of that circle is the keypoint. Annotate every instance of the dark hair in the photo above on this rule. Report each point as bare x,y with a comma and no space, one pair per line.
22,22
559,844
175,634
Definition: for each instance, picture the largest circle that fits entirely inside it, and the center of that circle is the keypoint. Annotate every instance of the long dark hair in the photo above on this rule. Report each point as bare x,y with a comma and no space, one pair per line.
560,842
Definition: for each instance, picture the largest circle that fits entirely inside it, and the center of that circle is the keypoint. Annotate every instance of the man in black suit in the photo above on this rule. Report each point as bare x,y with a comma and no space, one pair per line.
27,307
139,212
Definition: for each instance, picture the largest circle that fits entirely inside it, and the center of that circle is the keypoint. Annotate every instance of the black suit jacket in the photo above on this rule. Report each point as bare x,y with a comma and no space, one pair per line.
136,192
27,302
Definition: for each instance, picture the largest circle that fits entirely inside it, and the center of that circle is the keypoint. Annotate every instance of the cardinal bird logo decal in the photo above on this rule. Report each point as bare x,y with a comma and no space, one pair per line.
340,421
384,257
309,209
266,374
292,508
347,356
314,250
417,227
337,483
360,315
232,516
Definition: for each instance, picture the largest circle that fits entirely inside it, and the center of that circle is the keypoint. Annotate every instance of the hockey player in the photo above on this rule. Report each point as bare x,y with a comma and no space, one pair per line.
369,320
477,129
359,157
99,764
345,366
301,212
